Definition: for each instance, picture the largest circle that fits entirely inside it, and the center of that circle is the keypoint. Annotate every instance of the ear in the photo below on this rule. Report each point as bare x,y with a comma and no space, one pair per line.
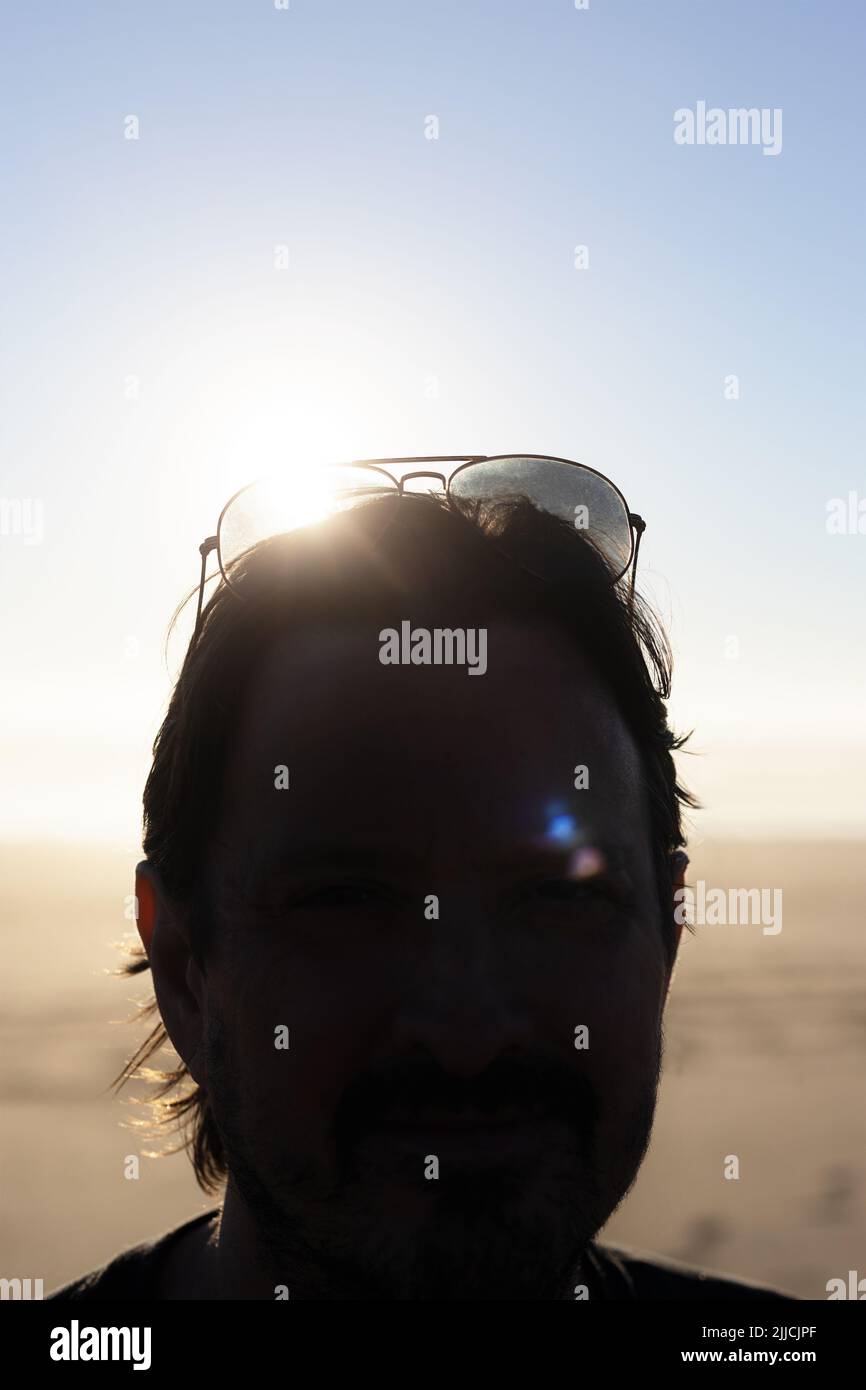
678,863
145,903
177,979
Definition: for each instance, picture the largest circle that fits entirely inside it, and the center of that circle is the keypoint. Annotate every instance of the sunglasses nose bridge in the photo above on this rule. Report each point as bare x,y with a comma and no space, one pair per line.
420,473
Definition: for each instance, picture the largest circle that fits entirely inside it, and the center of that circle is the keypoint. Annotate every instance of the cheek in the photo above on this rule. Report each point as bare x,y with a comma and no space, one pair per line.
627,1013
615,992
299,1024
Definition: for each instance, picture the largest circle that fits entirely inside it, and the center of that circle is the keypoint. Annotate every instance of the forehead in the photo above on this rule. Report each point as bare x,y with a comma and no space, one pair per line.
410,755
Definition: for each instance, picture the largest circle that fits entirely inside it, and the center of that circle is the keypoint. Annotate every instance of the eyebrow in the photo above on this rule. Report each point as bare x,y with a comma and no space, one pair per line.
261,863
257,866
557,859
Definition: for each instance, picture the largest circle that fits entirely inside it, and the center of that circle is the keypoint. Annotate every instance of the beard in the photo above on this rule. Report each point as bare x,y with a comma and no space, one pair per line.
364,1223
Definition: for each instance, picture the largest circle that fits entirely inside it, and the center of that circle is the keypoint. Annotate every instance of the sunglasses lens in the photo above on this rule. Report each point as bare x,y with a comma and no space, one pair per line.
576,495
272,508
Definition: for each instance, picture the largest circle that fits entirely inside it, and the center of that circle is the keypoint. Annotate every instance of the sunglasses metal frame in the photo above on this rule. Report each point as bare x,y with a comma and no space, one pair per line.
637,525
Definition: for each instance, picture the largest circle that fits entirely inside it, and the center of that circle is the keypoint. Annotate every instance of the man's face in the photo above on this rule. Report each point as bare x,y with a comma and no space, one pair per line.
437,916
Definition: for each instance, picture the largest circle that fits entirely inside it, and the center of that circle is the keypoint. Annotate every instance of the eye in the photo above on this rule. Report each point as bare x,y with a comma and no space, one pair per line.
567,890
341,895
599,891
347,895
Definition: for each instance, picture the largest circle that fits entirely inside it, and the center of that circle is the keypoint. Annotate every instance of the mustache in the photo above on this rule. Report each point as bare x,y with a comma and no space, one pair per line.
528,1087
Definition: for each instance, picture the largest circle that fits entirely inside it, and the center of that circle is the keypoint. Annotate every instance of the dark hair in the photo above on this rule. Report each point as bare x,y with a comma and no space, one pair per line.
358,565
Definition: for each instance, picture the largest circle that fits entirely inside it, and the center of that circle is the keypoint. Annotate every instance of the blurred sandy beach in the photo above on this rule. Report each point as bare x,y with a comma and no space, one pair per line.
765,1042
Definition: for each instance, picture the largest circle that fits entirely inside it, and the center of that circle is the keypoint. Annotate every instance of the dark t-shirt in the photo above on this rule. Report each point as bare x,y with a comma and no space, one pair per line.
611,1272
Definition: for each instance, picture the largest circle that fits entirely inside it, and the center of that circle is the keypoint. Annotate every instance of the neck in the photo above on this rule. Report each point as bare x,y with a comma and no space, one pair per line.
220,1259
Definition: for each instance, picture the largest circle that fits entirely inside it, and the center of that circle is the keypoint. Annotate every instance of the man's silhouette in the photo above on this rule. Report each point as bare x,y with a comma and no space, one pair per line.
412,931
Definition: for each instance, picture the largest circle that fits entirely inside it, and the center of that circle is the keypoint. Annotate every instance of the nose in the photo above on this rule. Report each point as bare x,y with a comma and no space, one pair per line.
465,1008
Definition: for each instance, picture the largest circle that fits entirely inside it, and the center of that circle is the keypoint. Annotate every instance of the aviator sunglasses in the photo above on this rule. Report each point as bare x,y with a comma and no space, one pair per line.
576,494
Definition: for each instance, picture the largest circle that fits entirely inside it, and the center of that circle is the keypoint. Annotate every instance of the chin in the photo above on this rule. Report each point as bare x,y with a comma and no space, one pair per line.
481,1237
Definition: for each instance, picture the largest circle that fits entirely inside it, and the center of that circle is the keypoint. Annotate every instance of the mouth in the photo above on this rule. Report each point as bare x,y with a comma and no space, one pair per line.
462,1121
467,1136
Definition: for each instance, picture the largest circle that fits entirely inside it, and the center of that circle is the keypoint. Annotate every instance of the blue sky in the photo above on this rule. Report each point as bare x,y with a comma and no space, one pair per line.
153,359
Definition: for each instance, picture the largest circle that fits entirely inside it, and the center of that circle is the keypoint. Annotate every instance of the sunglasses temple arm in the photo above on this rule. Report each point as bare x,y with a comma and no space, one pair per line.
640,526
204,550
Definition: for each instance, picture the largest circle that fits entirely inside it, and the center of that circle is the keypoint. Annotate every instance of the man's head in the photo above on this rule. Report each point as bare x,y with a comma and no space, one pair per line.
411,929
